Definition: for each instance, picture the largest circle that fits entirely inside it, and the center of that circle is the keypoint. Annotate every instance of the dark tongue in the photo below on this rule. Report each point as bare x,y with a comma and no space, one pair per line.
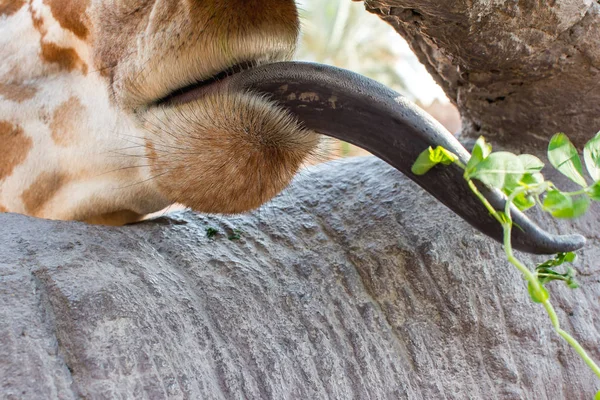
358,110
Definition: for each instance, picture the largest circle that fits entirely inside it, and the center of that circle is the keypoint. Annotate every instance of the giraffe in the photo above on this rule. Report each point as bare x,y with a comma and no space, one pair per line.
114,109
81,136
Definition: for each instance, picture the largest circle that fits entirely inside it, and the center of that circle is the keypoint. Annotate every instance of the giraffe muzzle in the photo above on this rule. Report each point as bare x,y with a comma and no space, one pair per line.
350,107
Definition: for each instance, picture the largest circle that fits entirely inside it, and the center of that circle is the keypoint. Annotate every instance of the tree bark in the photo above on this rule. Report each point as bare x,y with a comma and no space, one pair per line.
352,284
518,71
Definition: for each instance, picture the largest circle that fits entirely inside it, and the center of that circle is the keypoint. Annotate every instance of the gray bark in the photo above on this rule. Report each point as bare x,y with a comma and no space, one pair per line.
352,284
518,71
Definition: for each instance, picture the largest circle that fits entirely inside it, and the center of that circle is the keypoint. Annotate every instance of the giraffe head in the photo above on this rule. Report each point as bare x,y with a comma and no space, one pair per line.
228,151
111,109
108,79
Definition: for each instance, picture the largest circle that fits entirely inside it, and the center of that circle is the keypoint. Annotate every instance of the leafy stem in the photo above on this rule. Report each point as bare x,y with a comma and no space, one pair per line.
520,179
536,288
485,201
507,229
570,339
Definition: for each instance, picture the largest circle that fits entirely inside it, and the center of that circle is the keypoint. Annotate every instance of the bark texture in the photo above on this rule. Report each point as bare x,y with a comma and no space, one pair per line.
352,284
518,71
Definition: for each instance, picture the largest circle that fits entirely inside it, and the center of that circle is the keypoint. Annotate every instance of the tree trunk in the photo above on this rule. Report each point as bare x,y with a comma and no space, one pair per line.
352,284
518,71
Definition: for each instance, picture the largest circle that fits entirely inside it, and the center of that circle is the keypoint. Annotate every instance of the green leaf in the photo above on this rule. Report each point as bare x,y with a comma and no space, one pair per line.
501,170
594,191
573,284
430,158
563,156
533,183
444,156
597,396
555,202
545,272
562,206
549,275
538,296
523,201
424,162
481,151
531,164
569,256
559,259
591,156
532,179
571,281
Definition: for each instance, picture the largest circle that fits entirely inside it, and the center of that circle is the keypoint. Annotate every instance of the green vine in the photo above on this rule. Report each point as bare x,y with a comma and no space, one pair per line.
519,177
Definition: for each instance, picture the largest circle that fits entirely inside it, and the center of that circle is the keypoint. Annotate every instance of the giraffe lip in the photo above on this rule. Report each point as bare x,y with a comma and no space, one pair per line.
201,88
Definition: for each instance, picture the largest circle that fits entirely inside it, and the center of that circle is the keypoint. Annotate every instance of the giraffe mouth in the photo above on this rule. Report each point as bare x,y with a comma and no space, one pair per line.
358,110
201,88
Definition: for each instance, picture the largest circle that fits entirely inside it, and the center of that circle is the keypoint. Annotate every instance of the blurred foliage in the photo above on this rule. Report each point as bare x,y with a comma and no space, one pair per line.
344,34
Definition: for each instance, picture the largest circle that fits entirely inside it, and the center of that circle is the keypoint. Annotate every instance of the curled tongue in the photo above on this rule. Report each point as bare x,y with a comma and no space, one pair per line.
350,107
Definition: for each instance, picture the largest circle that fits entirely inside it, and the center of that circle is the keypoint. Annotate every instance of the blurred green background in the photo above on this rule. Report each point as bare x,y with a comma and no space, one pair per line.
344,34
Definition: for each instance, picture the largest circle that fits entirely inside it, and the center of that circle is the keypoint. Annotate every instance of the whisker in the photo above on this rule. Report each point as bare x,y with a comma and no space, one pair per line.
121,169
148,179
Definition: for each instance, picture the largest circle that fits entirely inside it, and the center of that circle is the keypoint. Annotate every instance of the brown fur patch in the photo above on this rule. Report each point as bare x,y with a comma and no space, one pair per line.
17,93
70,14
3,209
15,146
38,23
66,58
9,7
46,185
64,123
